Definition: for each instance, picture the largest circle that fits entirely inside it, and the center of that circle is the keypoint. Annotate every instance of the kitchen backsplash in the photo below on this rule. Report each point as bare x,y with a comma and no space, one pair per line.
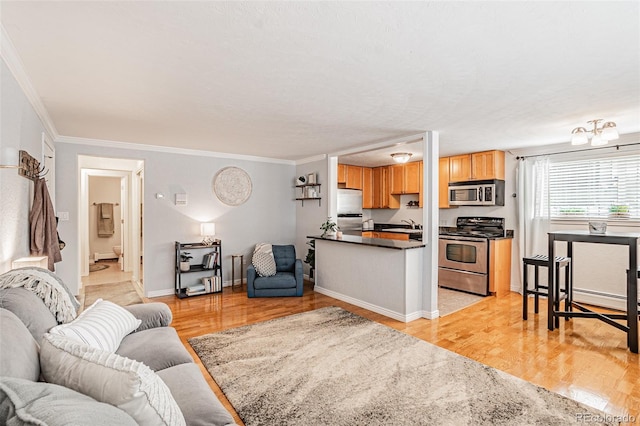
395,215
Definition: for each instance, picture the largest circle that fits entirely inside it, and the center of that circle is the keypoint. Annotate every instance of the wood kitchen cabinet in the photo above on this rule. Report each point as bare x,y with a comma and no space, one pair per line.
367,188
385,235
382,198
487,165
342,173
477,166
500,266
443,183
405,178
349,177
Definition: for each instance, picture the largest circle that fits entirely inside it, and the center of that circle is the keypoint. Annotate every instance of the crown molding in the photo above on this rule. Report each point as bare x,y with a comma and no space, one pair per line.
311,159
10,56
167,149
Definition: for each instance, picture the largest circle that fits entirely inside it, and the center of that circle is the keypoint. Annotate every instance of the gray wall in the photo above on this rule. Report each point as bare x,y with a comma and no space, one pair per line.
268,216
20,128
313,214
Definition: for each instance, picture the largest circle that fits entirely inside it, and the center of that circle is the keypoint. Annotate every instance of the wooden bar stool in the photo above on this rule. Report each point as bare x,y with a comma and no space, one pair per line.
538,290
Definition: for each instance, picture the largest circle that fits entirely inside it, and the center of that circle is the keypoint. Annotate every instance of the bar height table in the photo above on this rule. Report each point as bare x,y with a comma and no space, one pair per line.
631,316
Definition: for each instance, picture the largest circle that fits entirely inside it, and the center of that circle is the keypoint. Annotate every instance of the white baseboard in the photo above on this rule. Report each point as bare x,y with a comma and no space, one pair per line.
371,307
160,293
100,256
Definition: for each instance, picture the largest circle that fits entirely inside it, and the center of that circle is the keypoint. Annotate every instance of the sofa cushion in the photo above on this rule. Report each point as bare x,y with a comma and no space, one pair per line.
285,257
195,398
111,378
23,402
157,348
154,314
30,309
102,325
263,260
279,280
18,350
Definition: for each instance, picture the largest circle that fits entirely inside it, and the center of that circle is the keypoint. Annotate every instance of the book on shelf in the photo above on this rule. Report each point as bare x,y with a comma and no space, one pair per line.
210,260
195,289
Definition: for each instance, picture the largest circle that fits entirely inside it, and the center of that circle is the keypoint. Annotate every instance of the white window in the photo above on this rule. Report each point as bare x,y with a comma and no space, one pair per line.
606,187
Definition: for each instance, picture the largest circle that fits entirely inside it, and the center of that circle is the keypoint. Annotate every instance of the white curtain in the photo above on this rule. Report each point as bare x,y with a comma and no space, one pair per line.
533,207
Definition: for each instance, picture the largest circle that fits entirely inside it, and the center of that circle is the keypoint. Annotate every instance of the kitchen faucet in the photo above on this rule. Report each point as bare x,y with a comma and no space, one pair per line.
410,222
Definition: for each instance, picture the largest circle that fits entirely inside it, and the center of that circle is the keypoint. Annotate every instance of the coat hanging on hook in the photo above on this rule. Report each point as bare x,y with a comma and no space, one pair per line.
42,219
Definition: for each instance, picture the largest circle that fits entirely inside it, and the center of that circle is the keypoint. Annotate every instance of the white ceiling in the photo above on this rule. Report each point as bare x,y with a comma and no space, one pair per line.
291,80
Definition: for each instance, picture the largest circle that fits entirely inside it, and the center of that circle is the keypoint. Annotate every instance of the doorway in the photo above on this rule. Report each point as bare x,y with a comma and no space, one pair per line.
115,184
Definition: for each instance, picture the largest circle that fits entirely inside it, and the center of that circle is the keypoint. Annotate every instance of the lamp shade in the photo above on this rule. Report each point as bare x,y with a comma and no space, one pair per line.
598,140
609,131
579,136
208,229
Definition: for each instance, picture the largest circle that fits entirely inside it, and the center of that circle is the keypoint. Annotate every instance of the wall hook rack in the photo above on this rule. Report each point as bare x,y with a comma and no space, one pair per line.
29,167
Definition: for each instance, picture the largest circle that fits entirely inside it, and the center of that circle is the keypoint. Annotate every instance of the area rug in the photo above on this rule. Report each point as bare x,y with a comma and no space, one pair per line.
450,301
122,293
330,366
95,267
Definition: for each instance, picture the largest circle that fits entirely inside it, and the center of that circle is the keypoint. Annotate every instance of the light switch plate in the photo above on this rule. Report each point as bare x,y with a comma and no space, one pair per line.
64,216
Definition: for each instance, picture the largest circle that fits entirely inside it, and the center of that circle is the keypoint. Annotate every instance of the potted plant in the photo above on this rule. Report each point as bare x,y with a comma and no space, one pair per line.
184,261
329,227
310,259
619,211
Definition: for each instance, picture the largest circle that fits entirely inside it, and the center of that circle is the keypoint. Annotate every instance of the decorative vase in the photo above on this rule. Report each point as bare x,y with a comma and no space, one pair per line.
185,266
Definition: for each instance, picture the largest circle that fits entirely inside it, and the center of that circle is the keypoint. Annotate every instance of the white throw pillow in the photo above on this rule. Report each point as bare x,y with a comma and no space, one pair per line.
106,377
102,325
263,260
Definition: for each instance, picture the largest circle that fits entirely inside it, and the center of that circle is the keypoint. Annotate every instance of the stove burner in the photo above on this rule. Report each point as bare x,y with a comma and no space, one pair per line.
483,227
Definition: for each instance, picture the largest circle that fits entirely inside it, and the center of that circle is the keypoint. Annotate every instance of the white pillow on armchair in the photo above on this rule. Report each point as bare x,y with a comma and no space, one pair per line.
263,260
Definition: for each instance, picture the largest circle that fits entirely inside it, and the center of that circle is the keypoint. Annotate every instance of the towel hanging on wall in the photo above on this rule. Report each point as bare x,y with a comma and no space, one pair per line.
42,219
105,220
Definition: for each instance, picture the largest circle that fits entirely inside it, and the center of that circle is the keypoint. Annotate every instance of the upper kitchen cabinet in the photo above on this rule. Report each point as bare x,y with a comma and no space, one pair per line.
405,178
367,188
382,198
349,177
443,182
477,166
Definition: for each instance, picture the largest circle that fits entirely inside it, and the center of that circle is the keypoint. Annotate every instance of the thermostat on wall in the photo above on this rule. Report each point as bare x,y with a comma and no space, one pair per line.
181,199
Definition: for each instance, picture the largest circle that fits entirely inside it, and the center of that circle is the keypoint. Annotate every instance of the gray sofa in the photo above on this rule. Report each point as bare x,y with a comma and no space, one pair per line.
24,319
288,280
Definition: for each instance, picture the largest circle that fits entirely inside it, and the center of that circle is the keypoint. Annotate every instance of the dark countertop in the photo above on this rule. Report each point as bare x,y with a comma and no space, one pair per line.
375,242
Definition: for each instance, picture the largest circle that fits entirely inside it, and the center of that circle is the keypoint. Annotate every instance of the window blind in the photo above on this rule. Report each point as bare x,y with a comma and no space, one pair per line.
603,187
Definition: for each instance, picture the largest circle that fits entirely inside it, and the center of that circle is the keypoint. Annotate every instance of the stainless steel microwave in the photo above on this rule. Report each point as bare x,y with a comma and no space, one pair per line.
477,193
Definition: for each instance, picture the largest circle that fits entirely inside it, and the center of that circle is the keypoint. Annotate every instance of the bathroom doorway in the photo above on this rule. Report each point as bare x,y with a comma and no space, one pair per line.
110,220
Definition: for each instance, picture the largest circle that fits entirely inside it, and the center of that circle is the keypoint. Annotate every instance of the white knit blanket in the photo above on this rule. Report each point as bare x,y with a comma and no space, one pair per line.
46,286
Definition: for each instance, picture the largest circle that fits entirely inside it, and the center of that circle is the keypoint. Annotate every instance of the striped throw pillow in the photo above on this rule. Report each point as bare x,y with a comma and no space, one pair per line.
102,325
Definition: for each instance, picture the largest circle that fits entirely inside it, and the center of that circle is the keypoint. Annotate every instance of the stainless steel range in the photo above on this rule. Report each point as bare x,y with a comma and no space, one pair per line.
463,260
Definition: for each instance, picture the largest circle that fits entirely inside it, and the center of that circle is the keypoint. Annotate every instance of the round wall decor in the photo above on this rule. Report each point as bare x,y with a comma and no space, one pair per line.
232,186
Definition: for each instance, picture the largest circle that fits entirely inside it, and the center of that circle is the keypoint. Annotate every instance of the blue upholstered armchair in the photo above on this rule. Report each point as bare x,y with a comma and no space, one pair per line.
286,282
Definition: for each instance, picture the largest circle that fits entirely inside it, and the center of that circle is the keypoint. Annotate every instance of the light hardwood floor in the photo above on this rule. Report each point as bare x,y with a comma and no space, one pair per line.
585,359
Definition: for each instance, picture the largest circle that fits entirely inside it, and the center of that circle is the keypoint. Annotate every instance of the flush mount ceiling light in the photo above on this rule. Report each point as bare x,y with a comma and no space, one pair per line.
598,135
401,157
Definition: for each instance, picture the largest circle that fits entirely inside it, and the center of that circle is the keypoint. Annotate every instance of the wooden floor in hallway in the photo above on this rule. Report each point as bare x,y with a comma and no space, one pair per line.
584,359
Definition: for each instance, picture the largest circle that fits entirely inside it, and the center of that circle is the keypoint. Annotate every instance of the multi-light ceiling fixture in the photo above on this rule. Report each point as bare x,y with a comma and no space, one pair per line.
401,157
598,135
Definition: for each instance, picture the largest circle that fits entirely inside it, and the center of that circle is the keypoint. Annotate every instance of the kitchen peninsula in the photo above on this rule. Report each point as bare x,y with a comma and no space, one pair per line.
384,276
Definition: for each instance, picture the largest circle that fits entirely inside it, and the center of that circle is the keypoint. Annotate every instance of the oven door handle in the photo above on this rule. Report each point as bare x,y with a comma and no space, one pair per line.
480,193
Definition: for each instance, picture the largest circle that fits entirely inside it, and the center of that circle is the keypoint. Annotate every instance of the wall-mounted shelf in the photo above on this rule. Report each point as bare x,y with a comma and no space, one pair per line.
310,191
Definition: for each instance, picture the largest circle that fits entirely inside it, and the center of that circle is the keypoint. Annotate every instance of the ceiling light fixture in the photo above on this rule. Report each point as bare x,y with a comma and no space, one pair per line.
401,157
599,135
